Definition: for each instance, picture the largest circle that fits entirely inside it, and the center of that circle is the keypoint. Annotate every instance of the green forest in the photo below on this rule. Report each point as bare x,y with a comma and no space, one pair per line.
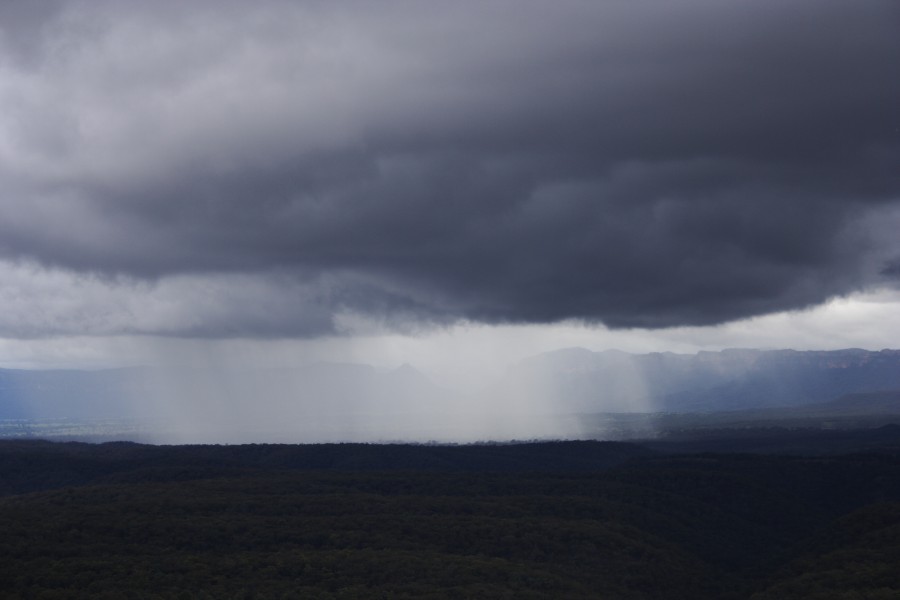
529,520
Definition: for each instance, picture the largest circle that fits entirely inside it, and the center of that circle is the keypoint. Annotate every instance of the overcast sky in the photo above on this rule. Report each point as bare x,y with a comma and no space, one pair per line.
417,181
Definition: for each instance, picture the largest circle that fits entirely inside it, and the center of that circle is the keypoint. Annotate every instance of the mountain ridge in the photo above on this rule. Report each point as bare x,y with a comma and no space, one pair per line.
540,396
730,379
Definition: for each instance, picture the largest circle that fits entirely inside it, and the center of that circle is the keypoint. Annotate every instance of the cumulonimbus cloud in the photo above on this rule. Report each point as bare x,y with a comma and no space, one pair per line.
642,164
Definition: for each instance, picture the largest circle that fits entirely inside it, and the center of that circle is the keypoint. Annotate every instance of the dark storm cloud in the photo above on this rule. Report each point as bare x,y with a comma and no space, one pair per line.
22,33
637,163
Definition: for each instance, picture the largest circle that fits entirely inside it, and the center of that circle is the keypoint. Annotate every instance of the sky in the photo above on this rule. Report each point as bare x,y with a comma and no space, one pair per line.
455,187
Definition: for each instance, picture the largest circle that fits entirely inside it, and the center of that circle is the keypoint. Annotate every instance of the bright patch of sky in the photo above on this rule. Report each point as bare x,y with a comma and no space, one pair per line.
467,356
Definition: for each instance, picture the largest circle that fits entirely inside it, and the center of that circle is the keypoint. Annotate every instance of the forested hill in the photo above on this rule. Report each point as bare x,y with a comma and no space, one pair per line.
30,465
549,520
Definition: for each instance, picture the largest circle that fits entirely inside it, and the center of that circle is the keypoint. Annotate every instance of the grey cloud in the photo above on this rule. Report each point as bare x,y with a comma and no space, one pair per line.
40,303
892,269
634,163
23,28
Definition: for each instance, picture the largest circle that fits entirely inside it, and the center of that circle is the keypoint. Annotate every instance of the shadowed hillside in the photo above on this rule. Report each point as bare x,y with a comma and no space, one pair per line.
550,520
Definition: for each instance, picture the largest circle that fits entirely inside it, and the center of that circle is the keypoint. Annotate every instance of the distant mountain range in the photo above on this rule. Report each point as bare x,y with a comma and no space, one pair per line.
569,381
579,380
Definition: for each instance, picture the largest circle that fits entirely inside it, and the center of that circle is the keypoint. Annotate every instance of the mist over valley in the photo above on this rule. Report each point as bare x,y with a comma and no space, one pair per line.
566,394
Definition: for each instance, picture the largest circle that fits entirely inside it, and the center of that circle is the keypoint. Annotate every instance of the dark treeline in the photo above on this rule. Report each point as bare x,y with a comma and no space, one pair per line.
539,520
31,465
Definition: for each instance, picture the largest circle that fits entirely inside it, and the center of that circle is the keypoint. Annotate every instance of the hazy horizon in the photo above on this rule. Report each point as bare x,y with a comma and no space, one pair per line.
272,184
562,394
